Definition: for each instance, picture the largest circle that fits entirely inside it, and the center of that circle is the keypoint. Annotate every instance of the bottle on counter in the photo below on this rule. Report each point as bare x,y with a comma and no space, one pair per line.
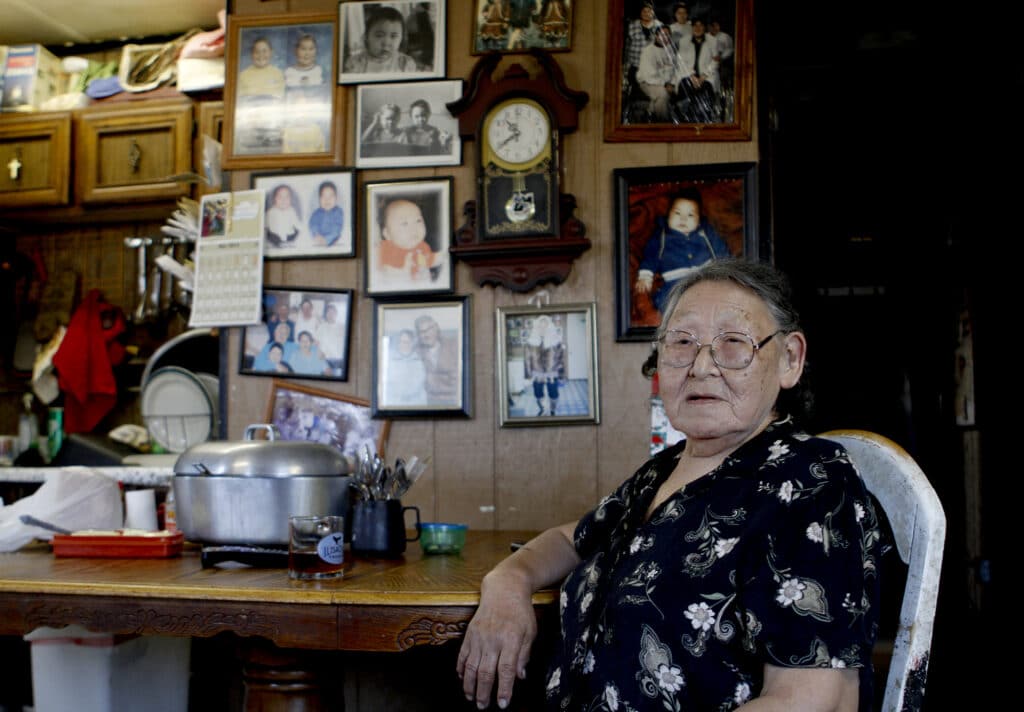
28,426
55,431
170,512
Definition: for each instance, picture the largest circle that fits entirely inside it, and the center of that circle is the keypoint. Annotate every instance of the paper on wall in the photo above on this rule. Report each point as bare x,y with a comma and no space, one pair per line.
229,260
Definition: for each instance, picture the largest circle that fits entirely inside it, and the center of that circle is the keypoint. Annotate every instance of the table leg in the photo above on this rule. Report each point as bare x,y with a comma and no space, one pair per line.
289,680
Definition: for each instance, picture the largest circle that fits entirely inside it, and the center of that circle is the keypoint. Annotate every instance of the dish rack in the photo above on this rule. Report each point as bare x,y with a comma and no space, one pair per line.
177,433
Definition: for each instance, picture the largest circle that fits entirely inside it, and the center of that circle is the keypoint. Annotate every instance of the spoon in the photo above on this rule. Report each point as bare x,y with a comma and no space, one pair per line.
32,521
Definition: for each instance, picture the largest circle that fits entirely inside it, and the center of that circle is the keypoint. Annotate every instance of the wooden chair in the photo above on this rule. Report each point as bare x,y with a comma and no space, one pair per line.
919,528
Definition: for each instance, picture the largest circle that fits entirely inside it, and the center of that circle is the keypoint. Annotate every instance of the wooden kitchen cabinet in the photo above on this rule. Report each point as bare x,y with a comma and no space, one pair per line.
35,159
130,152
209,122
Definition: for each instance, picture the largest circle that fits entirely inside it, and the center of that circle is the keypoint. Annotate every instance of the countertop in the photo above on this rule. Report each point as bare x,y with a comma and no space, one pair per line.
143,475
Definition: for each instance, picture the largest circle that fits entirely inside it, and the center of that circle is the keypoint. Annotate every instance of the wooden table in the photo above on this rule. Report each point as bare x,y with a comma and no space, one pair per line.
379,605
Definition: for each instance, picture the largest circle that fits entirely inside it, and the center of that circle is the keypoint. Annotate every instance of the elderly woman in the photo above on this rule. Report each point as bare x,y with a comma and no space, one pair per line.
736,569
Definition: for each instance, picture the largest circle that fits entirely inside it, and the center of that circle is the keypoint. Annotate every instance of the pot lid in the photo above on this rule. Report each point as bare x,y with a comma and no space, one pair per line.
271,457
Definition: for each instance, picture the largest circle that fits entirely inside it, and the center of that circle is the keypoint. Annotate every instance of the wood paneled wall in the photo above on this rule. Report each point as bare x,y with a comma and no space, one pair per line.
481,474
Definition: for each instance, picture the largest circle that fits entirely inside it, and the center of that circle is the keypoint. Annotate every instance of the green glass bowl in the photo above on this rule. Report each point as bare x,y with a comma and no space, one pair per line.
442,538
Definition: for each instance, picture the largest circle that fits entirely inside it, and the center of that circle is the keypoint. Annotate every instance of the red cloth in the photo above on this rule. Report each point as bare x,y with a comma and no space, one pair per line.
85,360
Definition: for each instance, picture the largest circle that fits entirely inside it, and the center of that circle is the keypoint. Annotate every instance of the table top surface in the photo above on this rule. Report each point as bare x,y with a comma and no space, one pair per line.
414,579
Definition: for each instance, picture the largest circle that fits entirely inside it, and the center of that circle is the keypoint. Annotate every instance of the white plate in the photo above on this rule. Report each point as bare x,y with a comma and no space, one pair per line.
177,409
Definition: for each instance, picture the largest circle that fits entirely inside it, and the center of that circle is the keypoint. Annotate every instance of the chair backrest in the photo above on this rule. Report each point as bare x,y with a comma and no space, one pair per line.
919,528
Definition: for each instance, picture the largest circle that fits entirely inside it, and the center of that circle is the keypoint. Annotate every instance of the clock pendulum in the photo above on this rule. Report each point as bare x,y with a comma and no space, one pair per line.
520,206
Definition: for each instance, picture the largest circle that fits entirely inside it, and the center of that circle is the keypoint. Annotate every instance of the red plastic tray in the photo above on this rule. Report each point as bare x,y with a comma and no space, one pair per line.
116,544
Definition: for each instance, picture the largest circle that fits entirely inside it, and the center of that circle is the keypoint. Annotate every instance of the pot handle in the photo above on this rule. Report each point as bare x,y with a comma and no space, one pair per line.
272,433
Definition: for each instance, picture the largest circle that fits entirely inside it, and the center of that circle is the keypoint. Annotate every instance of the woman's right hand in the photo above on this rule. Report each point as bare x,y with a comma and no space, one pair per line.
497,644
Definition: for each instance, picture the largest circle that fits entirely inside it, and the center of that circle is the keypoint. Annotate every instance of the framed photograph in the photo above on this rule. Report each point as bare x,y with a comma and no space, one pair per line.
407,124
308,214
313,415
547,365
391,41
280,99
304,334
679,71
421,358
670,220
407,228
516,26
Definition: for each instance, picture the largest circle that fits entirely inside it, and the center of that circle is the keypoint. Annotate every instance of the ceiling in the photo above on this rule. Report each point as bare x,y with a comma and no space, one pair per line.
67,22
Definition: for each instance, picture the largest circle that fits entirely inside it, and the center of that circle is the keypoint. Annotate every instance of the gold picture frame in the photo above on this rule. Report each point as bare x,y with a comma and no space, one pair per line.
281,97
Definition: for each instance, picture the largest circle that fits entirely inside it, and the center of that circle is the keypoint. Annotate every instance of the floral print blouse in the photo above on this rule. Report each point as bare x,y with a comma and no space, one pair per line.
770,558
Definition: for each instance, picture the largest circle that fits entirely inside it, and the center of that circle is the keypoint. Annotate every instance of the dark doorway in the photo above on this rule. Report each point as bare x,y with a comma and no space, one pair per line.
876,203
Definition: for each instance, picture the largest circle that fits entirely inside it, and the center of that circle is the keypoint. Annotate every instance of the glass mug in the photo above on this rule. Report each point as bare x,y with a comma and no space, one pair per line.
316,547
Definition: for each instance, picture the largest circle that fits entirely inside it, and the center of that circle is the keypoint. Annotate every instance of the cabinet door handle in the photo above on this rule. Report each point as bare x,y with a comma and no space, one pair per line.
134,156
14,165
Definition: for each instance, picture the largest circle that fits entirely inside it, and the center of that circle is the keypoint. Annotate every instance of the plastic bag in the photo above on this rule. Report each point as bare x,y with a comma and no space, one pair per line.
74,498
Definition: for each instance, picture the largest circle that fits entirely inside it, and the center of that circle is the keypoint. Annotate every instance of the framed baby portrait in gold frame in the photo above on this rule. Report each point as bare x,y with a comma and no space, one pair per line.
547,365
509,27
407,228
670,220
717,106
281,100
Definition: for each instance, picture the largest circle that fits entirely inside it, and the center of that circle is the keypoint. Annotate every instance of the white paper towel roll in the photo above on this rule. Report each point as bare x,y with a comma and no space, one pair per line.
140,509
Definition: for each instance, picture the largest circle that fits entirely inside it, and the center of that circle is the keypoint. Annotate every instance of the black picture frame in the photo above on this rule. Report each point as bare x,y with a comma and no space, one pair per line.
404,268
728,194
413,370
304,190
294,360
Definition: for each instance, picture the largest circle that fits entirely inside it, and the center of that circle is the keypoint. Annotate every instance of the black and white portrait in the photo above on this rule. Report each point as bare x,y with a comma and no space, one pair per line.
391,41
408,124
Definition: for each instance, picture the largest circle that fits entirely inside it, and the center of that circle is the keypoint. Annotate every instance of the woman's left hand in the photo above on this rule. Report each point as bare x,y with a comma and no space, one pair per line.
497,643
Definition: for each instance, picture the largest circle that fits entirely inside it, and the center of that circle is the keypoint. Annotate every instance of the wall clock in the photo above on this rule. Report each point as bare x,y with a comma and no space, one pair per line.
520,229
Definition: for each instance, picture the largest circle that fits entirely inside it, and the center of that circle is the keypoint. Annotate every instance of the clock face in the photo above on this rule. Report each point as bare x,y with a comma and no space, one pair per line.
518,131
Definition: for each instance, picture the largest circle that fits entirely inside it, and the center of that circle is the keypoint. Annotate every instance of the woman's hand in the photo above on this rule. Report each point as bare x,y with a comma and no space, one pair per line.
497,643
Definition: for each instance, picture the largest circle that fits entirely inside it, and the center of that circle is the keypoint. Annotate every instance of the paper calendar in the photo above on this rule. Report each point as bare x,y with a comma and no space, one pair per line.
229,260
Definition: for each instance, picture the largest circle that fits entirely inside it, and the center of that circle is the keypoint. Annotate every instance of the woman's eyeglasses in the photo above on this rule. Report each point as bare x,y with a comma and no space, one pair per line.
730,349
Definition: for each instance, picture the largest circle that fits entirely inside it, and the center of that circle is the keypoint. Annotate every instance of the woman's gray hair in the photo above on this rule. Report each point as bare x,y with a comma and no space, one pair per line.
774,290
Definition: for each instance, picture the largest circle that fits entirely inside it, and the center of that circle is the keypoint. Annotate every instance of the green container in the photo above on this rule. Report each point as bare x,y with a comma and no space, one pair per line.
442,538
55,428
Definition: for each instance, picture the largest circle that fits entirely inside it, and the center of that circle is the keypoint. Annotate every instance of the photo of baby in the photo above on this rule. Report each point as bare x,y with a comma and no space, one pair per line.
408,124
672,220
308,214
408,229
387,41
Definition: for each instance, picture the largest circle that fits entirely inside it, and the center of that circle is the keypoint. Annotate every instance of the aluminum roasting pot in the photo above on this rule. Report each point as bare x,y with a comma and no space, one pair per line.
242,492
